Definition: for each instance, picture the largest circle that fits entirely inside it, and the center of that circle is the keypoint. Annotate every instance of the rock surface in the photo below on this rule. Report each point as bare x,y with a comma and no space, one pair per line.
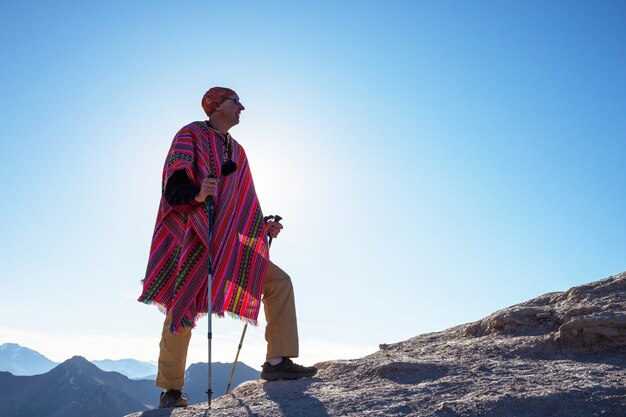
561,354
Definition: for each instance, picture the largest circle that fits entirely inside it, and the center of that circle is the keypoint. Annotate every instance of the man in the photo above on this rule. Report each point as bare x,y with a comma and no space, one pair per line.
207,181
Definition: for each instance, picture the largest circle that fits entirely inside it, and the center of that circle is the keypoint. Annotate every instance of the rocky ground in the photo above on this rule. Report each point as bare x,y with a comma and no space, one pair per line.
561,354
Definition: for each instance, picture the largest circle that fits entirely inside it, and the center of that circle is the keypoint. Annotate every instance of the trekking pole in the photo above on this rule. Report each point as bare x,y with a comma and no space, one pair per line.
209,391
277,219
232,372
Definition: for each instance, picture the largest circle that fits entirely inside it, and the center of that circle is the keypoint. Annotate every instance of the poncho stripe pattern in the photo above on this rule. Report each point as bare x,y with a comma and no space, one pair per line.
177,272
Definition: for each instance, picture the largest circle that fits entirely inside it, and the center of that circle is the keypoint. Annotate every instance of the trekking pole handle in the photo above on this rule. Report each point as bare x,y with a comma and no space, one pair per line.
276,219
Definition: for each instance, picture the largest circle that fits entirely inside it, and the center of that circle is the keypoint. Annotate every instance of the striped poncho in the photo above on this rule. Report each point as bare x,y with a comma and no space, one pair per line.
176,276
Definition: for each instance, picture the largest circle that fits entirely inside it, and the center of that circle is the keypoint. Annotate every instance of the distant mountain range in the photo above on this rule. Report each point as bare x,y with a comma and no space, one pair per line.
78,388
132,368
20,360
75,388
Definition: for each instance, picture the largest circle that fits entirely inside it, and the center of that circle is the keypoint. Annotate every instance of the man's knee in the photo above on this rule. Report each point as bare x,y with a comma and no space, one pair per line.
276,280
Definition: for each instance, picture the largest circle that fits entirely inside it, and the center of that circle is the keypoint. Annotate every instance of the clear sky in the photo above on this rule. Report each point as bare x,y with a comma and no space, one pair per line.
434,161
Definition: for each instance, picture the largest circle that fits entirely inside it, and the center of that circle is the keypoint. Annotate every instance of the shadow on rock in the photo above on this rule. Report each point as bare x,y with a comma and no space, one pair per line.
410,372
292,398
600,402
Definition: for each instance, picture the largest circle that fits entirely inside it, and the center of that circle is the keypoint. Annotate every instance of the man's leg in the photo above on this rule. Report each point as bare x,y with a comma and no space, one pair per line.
281,332
172,361
279,304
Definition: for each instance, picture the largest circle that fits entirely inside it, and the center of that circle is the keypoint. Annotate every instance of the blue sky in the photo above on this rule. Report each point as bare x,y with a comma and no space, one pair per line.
433,161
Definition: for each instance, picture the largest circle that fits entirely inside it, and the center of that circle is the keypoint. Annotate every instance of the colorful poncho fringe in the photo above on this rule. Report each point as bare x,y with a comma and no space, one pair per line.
177,272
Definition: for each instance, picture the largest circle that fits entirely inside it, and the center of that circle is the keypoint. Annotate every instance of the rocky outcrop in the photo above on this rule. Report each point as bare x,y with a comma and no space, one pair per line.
590,317
561,354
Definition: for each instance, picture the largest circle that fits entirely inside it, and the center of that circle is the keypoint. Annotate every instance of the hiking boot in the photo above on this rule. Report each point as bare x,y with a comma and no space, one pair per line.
173,398
286,370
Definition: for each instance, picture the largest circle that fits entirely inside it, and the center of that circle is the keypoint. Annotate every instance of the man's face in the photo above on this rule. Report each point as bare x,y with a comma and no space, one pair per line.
230,108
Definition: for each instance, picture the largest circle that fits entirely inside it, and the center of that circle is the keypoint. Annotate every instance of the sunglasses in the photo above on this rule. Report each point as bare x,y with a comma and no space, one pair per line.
235,99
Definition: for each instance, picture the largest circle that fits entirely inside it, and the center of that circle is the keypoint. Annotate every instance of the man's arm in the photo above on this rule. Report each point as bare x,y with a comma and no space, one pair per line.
180,192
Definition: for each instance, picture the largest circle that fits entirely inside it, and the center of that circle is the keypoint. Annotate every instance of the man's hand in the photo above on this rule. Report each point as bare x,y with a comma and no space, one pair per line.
273,228
208,188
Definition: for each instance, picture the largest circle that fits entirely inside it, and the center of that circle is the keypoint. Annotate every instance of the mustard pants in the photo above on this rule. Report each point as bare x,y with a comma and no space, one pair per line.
281,332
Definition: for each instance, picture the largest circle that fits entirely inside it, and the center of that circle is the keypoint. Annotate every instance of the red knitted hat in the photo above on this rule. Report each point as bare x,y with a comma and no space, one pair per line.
214,97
